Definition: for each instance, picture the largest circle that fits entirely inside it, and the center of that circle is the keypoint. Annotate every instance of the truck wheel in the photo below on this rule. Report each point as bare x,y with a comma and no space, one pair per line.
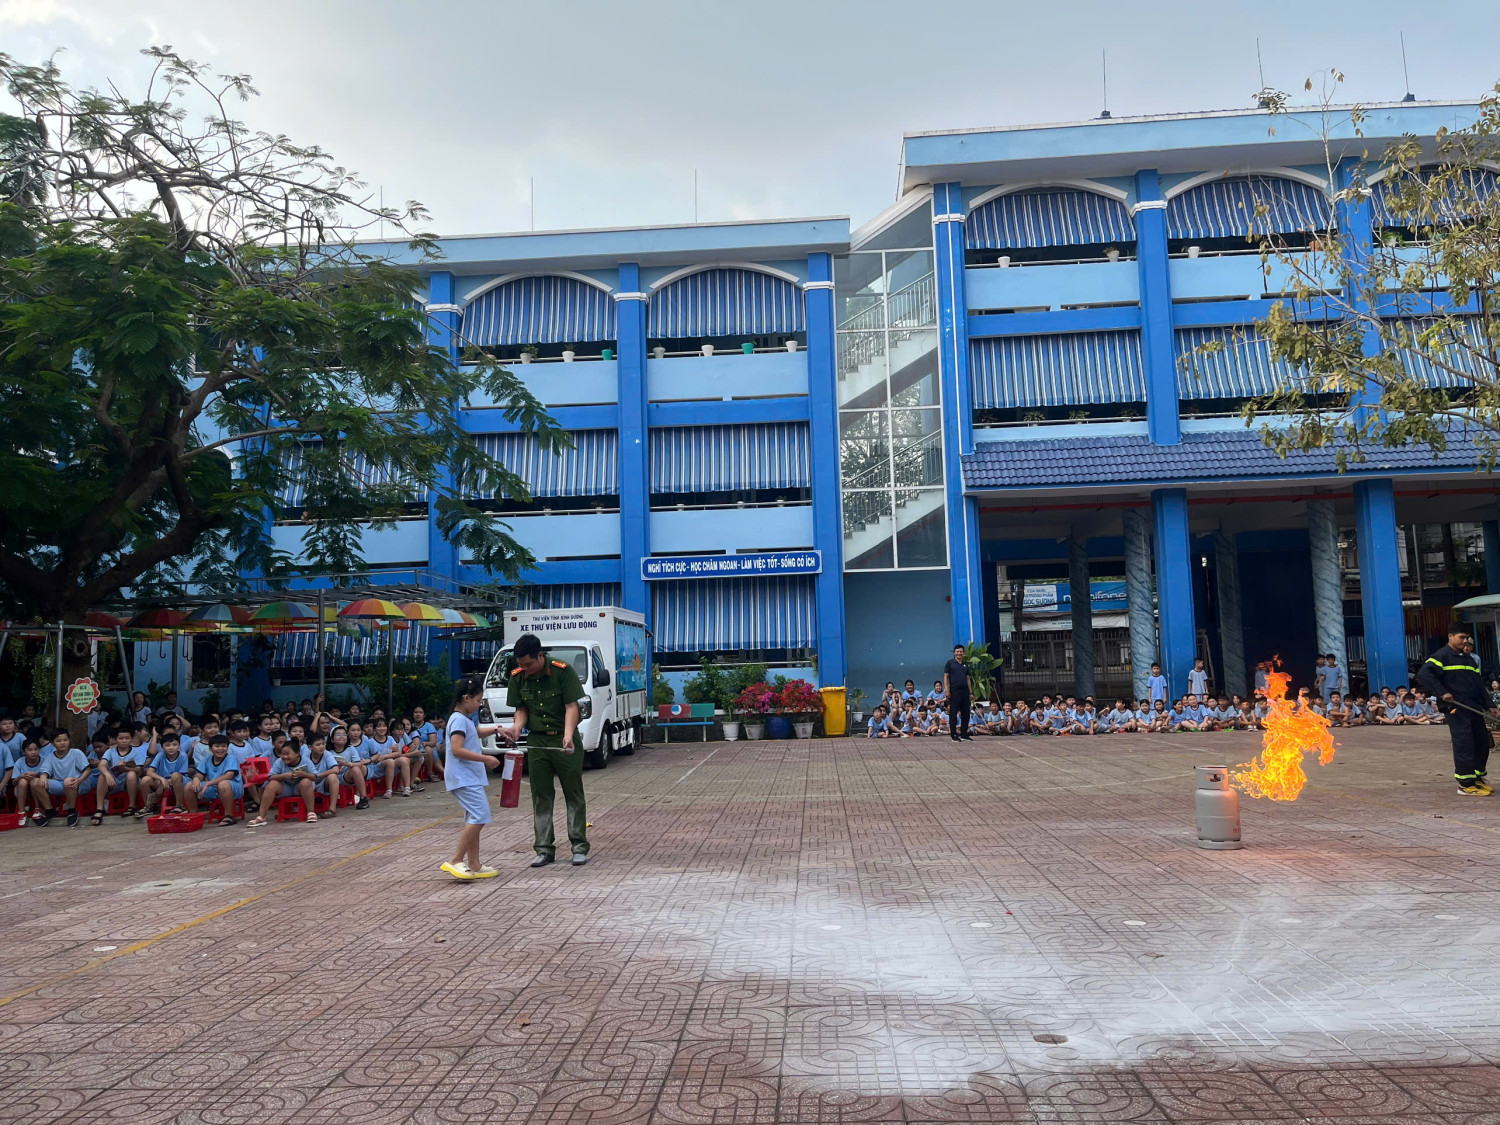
628,742
599,758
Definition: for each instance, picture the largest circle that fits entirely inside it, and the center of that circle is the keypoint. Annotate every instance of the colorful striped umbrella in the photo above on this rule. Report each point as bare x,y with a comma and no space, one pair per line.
159,618
455,619
100,620
212,618
373,609
283,614
420,613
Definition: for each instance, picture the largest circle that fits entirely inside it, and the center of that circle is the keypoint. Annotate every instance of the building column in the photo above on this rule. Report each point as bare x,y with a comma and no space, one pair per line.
828,532
635,443
1355,218
1492,556
1174,586
965,585
444,314
1328,581
1158,340
1140,601
1231,628
1081,599
1380,583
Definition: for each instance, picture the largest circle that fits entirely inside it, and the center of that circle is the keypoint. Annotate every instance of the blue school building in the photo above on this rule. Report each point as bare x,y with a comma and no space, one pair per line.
840,451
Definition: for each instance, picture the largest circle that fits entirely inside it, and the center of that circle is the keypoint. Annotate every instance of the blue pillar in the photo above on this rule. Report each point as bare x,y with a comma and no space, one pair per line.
1158,341
1380,583
1356,224
1140,600
1492,556
1174,586
443,313
966,587
1081,600
635,444
828,534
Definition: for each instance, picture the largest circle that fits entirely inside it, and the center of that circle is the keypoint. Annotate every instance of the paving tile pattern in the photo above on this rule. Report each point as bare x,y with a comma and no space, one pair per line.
830,931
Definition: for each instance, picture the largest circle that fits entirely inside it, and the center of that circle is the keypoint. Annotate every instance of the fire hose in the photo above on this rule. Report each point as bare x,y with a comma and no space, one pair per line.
1490,720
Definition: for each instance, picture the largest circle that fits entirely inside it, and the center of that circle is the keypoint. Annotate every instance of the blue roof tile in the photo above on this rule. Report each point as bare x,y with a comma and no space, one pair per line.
1232,455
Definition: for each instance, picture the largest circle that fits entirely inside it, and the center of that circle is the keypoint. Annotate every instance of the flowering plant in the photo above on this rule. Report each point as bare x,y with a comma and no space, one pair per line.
798,697
757,699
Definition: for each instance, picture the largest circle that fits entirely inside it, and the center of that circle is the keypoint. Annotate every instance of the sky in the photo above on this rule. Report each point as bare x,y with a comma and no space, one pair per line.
783,107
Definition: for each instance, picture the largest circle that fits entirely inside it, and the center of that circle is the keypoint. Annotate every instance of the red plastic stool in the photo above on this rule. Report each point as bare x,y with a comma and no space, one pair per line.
321,802
347,797
216,808
290,808
86,803
117,803
253,771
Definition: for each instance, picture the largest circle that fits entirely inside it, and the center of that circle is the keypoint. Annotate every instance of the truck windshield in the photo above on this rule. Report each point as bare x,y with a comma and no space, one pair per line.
499,676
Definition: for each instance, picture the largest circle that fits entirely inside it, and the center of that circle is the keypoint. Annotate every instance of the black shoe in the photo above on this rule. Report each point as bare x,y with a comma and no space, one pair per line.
954,737
362,803
46,818
72,818
964,738
541,861
580,858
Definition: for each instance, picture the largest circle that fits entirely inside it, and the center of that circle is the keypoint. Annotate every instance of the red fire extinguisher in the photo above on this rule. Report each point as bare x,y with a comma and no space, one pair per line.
510,778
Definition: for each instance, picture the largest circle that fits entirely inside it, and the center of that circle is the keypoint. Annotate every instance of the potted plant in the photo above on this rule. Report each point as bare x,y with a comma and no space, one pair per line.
1003,261
607,354
748,348
1112,253
801,701
755,702
529,353
708,349
857,704
659,352
791,345
569,351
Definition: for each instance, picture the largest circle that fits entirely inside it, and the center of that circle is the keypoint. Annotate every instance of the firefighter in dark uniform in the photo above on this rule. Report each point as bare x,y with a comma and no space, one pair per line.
545,695
1451,675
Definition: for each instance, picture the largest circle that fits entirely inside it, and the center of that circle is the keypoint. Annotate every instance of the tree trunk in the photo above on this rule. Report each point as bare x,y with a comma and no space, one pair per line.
76,662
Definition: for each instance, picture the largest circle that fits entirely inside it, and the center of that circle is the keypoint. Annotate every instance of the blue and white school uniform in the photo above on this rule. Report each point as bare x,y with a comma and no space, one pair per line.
352,756
258,747
1197,681
878,727
212,770
168,768
1158,688
74,763
10,749
464,779
1177,716
1057,720
373,746
20,768
320,765
118,763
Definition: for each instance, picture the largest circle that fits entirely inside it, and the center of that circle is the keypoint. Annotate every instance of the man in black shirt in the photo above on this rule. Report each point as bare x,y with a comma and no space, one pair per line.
956,685
1451,676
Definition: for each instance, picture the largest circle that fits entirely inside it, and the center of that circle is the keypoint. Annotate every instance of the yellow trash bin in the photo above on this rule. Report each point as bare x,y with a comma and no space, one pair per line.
835,711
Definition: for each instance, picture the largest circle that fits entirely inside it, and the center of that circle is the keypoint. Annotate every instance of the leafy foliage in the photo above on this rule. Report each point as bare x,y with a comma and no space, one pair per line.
981,665
188,324
412,683
721,684
1394,341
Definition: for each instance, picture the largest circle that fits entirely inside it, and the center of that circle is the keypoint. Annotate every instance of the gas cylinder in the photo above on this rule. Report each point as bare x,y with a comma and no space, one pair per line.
1218,808
510,779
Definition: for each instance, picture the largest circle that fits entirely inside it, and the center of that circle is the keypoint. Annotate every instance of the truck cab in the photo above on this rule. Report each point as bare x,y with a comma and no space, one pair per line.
604,645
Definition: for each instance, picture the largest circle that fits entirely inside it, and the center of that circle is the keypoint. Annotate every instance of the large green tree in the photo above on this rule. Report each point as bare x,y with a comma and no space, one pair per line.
1390,340
189,323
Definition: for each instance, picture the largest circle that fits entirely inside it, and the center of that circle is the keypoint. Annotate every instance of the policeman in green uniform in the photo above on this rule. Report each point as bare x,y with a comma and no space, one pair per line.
545,695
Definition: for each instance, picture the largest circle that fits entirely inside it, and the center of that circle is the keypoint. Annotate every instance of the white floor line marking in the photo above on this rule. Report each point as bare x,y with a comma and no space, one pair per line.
689,773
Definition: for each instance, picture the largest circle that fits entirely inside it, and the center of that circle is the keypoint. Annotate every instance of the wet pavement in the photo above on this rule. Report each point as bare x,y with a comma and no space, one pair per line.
843,931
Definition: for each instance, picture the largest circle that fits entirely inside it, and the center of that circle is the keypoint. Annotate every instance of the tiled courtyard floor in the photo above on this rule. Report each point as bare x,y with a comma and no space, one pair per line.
1016,929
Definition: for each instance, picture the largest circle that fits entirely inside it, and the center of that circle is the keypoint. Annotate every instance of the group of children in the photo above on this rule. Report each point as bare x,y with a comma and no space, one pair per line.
163,761
911,714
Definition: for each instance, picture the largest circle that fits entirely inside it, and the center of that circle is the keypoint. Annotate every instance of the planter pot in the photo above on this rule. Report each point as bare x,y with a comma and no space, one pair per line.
747,348
804,730
659,352
1112,255
708,349
778,726
1005,261
859,716
731,731
568,356
608,353
1194,251
791,346
754,732
525,357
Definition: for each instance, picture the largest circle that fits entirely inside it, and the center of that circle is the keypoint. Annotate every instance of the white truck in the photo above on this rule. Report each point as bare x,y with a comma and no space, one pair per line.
606,646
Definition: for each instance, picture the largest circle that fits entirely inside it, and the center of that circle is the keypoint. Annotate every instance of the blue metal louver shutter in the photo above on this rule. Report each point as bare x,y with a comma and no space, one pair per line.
300,650
725,302
1057,370
293,461
728,458
733,613
1029,220
540,310
1431,365
1227,208
1481,185
1243,368
590,468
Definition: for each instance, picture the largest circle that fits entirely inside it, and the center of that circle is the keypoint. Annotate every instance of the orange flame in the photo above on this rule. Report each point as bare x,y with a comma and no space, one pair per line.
1277,771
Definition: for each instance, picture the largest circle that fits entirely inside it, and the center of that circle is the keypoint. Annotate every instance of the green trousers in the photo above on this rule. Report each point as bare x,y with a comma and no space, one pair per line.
544,763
